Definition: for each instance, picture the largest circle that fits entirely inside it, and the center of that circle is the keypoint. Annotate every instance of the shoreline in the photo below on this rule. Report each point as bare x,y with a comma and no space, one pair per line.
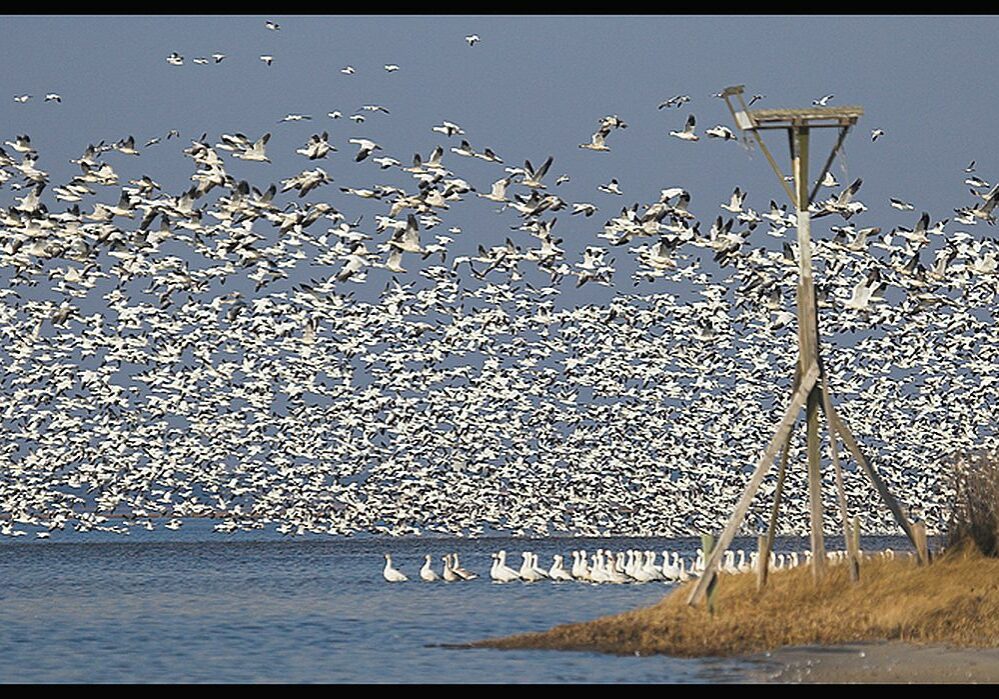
876,662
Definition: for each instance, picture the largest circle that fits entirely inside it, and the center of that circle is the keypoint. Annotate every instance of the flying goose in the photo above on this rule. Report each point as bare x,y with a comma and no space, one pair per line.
597,140
532,177
722,132
364,148
688,131
676,101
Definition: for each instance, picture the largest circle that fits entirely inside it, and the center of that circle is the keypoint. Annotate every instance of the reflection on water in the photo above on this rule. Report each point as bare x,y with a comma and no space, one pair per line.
193,605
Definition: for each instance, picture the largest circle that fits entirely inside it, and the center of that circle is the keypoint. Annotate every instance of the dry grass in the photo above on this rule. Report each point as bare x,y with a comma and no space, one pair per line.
953,601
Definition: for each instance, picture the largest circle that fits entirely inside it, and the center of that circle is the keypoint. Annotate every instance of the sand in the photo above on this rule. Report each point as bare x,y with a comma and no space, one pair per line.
878,662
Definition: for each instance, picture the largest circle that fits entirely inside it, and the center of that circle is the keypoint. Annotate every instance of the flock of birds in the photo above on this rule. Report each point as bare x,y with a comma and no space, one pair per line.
208,353
605,566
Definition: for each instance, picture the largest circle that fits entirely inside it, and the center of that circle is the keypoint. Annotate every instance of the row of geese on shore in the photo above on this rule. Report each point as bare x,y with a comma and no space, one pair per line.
605,566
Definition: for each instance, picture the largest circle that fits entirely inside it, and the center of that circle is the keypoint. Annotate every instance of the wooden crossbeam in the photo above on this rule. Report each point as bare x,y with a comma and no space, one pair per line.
825,168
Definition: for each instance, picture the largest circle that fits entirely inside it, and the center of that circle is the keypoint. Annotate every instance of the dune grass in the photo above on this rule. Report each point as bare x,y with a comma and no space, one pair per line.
953,601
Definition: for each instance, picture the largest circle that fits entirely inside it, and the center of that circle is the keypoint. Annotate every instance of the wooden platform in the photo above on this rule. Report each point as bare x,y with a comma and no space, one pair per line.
841,115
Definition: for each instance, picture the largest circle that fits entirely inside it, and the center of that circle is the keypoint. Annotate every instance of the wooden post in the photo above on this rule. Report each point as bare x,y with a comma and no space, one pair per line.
808,341
922,550
708,545
764,567
840,491
762,553
855,533
762,466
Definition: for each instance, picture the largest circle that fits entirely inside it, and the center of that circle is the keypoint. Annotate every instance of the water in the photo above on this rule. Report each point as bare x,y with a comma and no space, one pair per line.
197,606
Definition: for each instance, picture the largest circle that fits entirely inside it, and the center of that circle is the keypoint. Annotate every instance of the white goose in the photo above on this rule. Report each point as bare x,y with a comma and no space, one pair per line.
462,572
557,571
688,131
670,570
500,571
390,573
527,571
449,574
427,573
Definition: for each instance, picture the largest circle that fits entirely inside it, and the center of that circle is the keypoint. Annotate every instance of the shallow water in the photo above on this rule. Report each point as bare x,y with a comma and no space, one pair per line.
196,606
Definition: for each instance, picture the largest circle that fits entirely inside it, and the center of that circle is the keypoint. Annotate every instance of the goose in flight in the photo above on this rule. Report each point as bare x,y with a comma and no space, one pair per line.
597,140
306,181
347,70
126,146
448,129
390,67
364,148
722,132
21,99
175,59
294,117
316,147
865,292
688,131
22,144
488,155
755,98
735,202
876,134
611,188
53,97
255,153
612,121
498,191
267,59
900,205
464,149
822,101
273,26
532,177
472,39
676,101
408,239
218,57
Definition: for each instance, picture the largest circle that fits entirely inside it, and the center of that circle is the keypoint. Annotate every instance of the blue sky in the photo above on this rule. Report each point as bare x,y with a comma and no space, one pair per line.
532,86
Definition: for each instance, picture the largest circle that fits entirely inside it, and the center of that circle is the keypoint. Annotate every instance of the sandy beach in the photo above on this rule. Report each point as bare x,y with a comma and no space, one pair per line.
878,662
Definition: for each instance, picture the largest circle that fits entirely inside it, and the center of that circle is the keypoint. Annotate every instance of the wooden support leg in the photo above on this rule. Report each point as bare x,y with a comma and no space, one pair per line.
764,464
763,571
851,444
815,485
764,563
840,491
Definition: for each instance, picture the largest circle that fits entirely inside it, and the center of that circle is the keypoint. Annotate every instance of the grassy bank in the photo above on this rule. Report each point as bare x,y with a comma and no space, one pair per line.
954,601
